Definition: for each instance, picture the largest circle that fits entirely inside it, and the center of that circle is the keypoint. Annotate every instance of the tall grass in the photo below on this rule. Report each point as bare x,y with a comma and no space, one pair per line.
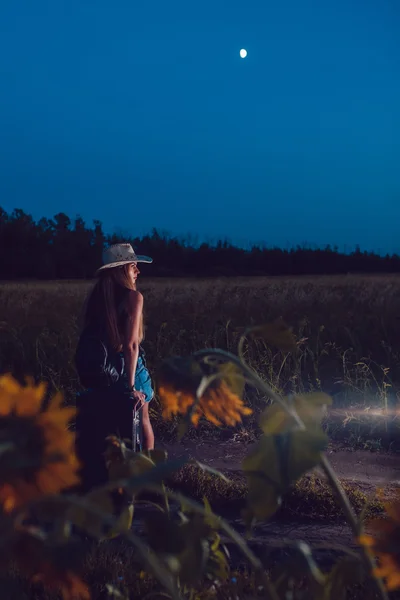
348,327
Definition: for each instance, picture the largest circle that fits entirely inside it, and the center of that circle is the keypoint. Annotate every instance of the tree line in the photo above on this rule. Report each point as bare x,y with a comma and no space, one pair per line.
61,248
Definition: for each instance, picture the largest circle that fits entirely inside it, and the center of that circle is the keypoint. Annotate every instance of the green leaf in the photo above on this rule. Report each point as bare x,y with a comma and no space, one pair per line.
276,334
164,535
6,447
309,562
180,374
262,469
233,377
193,559
184,546
299,568
276,462
183,427
139,469
101,526
301,565
210,518
310,408
274,420
304,452
226,370
218,565
114,592
156,475
211,470
134,464
157,456
50,508
348,571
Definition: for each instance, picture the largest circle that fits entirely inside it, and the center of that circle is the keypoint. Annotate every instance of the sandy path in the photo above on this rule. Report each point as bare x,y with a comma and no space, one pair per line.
371,469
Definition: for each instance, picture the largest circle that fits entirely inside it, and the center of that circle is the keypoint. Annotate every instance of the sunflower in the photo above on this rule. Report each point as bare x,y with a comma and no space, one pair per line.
36,447
68,583
56,567
385,544
179,381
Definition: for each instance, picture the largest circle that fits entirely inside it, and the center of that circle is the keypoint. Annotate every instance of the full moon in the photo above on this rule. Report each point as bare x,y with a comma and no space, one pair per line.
243,53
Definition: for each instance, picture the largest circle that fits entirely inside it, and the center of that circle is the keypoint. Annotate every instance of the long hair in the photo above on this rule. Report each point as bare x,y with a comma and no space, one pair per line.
104,305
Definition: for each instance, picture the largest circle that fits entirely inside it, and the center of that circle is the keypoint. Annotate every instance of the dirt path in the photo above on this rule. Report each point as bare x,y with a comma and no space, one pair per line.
366,469
369,469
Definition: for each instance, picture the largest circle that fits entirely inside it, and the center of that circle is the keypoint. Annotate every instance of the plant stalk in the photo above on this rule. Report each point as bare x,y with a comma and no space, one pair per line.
231,533
334,482
148,556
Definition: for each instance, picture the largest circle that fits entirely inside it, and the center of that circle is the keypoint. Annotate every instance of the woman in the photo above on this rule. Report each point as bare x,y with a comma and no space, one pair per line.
114,320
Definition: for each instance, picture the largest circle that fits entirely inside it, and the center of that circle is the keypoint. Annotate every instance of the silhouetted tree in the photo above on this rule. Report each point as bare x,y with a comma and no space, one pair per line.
59,248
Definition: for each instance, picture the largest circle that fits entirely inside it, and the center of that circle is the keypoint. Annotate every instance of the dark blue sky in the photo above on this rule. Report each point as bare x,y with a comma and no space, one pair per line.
142,114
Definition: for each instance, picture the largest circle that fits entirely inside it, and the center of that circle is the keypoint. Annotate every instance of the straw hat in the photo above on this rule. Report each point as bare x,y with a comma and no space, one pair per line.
121,254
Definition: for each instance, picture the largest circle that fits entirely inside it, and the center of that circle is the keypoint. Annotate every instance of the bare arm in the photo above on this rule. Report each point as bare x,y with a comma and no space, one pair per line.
134,307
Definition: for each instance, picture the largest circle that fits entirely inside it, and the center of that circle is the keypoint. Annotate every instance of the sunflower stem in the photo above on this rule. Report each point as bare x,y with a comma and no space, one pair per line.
231,533
353,522
253,378
330,474
152,560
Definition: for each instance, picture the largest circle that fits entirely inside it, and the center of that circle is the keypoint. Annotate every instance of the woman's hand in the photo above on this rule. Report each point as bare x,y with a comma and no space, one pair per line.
138,397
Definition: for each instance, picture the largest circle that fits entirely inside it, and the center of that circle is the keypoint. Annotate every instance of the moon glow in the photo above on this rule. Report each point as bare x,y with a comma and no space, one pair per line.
243,53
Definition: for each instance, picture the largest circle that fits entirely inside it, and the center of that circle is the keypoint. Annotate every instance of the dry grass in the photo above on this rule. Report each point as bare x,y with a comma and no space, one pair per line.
349,326
310,498
117,565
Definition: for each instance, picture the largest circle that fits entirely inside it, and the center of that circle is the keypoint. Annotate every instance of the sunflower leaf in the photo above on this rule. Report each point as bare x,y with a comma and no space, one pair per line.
276,462
6,447
211,470
92,521
233,377
262,469
347,571
183,427
133,465
157,456
155,475
184,546
114,592
164,535
309,407
309,562
276,334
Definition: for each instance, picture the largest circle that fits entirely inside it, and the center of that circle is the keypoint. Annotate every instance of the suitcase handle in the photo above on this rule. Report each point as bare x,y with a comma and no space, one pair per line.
136,427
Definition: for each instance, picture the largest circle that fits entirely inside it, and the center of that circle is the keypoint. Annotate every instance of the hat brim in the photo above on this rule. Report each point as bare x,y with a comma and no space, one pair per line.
119,263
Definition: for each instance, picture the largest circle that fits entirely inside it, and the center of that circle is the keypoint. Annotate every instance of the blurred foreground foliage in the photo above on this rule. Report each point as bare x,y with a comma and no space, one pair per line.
182,543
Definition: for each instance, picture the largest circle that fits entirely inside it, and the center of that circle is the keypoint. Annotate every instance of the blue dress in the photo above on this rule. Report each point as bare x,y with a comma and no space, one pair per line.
143,381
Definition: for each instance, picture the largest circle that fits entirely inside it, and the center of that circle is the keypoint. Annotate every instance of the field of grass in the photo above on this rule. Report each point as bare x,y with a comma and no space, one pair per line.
349,327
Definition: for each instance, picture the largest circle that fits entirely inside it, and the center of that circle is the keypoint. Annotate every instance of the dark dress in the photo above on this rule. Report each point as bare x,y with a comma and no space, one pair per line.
100,413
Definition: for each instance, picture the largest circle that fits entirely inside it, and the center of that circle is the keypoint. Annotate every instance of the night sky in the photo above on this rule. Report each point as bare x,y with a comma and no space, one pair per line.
142,114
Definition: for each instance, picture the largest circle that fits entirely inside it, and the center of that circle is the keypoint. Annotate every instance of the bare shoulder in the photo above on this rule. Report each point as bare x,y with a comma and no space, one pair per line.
134,301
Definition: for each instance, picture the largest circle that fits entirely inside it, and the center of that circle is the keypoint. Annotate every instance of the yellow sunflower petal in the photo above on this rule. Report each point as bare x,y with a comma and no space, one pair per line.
9,385
393,581
69,584
366,540
30,400
45,460
7,403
